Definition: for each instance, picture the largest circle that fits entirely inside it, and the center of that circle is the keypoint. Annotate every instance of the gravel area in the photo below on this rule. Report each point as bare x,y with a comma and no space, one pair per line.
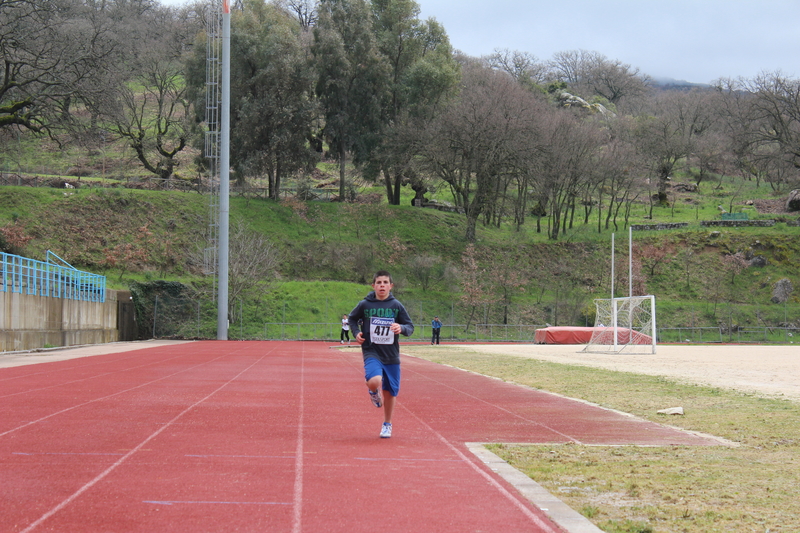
771,371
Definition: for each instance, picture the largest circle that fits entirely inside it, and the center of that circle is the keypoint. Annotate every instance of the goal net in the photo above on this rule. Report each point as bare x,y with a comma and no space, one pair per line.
624,325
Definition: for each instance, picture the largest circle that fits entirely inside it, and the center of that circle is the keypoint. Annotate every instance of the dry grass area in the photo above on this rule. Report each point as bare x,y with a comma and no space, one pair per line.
752,487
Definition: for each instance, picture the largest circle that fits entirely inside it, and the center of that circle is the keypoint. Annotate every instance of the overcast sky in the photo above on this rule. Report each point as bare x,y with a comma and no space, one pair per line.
692,40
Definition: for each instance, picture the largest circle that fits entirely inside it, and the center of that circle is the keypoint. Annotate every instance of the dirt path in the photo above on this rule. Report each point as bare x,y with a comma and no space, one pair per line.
772,371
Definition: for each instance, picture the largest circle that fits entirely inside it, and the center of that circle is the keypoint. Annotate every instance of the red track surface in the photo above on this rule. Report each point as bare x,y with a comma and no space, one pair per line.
272,436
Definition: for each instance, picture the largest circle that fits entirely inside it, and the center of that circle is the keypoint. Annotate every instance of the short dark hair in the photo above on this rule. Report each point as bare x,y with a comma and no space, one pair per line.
380,273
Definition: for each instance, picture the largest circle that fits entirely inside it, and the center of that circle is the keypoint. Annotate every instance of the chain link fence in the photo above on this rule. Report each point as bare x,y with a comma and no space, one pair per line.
449,333
762,335
189,318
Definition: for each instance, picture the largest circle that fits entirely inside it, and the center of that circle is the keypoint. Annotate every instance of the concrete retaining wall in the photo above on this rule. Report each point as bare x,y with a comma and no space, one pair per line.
658,227
738,223
29,322
705,223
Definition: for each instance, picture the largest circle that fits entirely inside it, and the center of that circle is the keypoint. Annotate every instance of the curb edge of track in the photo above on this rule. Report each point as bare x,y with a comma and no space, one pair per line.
568,519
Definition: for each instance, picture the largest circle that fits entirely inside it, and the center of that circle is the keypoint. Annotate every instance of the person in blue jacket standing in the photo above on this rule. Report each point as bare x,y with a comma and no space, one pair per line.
383,319
436,327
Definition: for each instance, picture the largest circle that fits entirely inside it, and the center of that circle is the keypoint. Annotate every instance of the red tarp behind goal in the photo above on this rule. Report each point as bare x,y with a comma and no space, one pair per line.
582,335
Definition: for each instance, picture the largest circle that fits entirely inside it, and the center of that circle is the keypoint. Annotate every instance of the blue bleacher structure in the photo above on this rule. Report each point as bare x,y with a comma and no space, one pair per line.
54,278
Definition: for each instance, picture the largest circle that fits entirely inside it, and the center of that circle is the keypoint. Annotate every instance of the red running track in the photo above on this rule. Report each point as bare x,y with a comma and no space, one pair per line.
272,436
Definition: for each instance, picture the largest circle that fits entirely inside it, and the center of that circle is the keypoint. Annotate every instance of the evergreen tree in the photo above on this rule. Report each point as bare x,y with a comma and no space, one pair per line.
352,79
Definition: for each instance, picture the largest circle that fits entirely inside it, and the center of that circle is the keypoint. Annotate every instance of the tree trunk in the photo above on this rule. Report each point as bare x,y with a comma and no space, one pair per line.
398,180
277,181
387,183
342,165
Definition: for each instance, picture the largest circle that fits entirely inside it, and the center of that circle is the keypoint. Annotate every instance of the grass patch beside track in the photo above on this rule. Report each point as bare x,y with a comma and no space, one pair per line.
749,488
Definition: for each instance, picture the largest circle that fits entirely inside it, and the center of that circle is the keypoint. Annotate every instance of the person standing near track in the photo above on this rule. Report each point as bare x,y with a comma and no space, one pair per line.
384,319
345,335
436,328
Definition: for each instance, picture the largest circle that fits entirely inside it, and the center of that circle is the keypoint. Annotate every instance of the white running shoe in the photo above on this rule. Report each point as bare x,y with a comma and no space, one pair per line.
377,401
386,430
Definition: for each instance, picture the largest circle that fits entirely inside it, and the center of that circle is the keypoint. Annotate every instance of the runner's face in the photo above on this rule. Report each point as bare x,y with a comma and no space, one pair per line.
382,287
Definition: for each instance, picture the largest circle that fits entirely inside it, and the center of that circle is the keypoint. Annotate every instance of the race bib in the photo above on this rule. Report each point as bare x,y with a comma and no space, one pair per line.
380,330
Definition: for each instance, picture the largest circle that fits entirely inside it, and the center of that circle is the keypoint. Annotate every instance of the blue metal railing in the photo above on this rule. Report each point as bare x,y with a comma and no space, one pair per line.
28,276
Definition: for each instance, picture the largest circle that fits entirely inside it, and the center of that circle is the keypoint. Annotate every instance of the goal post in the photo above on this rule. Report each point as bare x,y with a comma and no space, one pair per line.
624,325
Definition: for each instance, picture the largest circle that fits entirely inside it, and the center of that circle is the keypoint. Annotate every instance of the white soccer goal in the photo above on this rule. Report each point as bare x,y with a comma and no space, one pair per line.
624,325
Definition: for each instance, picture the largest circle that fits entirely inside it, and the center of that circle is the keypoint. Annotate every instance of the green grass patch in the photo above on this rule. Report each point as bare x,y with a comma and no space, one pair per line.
747,488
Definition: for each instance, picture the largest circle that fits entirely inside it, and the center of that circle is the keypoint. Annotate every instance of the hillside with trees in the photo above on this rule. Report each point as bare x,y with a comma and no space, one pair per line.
347,112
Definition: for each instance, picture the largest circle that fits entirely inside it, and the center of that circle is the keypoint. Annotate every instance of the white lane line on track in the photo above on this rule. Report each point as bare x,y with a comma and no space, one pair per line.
63,453
111,468
53,371
243,456
297,516
414,460
175,502
544,526
533,517
498,407
90,377
104,397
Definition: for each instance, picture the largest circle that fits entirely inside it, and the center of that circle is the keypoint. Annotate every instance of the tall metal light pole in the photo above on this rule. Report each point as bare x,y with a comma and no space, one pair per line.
224,175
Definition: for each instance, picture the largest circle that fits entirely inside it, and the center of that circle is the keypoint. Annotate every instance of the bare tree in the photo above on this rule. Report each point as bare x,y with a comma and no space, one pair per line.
593,74
488,135
141,94
652,257
509,278
154,117
427,270
573,66
734,264
53,52
522,66
777,103
566,165
670,133
304,10
254,260
474,289
762,116
617,176
616,81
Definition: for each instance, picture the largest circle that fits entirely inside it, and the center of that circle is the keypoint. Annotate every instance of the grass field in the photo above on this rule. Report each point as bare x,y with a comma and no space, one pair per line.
750,486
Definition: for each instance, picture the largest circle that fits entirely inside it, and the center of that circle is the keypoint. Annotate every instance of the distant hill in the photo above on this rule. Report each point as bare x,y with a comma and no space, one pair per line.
672,83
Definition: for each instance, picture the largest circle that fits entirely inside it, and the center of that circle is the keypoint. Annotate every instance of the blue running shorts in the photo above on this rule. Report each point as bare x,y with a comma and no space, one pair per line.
391,374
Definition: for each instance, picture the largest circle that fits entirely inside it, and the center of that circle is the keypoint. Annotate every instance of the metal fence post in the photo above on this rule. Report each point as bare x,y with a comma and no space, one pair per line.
155,313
